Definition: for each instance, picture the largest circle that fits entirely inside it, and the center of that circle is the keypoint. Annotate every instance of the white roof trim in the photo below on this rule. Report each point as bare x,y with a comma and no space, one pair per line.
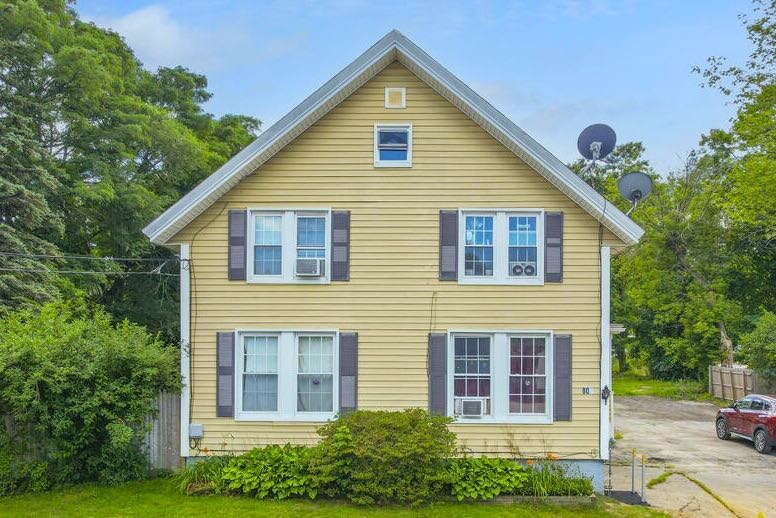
393,46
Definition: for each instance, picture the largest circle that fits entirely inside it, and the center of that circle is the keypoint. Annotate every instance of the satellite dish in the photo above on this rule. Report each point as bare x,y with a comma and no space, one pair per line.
596,141
634,187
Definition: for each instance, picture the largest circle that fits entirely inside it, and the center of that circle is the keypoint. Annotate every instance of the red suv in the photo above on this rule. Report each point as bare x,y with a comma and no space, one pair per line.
753,418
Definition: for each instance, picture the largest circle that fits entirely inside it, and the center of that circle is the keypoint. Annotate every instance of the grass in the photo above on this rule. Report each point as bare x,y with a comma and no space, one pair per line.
630,384
160,497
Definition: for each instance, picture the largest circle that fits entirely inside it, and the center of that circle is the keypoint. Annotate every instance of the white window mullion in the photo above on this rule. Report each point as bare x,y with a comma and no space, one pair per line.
289,245
500,227
500,372
287,375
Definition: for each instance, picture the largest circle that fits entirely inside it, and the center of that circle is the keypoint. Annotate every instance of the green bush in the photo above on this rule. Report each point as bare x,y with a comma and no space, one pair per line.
380,457
203,476
271,472
78,390
552,479
758,348
483,478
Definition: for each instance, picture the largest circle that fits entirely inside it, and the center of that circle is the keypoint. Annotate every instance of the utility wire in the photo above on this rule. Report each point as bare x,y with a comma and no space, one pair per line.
84,272
91,257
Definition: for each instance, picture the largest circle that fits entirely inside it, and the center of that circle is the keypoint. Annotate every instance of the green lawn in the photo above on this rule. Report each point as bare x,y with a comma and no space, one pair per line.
160,498
630,384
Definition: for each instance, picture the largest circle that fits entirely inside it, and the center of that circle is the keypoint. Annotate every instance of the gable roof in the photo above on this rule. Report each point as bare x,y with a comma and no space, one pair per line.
394,46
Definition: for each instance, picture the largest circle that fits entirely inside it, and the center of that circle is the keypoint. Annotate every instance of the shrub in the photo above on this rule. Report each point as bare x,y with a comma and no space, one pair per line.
379,457
271,472
552,479
203,476
78,390
483,478
758,348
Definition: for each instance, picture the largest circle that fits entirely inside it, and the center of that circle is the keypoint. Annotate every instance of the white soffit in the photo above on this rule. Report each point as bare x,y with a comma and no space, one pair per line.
393,46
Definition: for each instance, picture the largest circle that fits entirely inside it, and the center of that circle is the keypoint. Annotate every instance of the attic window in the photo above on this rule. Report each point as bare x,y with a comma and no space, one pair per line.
393,145
395,98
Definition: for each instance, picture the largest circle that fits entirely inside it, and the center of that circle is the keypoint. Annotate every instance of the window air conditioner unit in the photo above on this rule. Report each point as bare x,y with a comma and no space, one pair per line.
471,406
521,268
310,267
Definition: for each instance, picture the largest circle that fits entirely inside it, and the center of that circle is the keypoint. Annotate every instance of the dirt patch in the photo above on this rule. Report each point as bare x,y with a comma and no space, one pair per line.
680,435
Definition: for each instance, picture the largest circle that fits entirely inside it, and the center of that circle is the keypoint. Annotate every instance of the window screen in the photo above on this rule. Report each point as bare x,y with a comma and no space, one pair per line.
472,366
393,144
527,375
311,237
478,249
268,248
522,246
315,380
260,373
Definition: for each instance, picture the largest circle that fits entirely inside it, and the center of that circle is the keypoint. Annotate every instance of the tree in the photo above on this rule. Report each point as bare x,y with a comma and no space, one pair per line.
28,176
625,158
749,201
99,147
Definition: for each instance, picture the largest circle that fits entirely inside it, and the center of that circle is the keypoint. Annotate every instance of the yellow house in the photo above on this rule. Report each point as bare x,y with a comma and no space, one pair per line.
392,242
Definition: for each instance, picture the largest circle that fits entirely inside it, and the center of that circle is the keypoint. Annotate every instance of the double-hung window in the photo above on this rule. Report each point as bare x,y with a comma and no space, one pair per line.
507,374
286,375
268,247
501,247
472,370
278,239
393,145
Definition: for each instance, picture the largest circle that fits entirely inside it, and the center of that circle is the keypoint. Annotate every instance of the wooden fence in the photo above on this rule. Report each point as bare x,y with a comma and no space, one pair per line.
163,439
733,383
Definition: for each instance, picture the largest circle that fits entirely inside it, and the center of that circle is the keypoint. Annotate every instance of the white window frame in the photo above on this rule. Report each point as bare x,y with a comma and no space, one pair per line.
501,247
288,362
402,126
499,372
403,103
288,245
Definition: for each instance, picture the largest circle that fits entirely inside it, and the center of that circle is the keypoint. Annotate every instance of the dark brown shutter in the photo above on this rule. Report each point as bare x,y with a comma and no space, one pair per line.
340,245
437,373
448,245
562,373
224,374
237,244
348,372
553,247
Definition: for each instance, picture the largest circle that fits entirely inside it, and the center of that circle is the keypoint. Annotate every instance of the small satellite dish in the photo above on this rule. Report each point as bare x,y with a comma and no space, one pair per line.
634,187
596,141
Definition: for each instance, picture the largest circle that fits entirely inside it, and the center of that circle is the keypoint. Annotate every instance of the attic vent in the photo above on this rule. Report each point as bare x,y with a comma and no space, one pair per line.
395,98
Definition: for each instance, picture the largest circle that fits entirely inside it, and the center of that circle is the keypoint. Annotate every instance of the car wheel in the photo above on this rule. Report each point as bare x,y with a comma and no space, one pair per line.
722,429
761,443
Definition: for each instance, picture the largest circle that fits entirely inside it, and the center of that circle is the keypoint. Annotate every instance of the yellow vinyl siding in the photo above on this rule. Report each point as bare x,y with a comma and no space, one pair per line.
394,267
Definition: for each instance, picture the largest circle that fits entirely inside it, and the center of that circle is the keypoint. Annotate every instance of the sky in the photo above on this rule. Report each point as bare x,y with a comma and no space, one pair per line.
552,66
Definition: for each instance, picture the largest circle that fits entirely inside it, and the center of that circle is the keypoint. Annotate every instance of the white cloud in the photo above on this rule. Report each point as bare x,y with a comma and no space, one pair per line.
159,39
155,36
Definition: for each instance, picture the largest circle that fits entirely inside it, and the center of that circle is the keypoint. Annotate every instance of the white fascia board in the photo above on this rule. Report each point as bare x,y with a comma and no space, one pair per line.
393,45
185,345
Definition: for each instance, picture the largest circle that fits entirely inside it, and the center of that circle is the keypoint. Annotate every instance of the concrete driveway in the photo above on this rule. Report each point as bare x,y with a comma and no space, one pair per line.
680,435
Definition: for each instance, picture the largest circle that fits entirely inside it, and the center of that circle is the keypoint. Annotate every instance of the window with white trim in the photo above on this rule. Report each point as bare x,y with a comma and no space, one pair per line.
501,247
277,239
393,145
510,373
286,376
